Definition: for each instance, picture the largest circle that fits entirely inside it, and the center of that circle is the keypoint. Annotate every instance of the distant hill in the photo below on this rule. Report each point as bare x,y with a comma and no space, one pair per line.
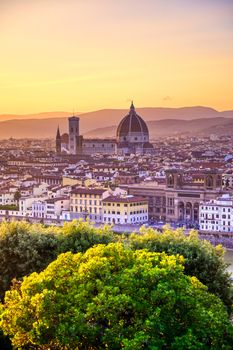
103,123
168,127
43,115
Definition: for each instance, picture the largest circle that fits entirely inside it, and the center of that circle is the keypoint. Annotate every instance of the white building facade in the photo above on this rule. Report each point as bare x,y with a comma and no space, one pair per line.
125,210
217,215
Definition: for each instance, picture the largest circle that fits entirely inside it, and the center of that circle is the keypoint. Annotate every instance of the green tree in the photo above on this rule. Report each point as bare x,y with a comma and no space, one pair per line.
201,259
114,298
24,248
27,248
17,196
78,236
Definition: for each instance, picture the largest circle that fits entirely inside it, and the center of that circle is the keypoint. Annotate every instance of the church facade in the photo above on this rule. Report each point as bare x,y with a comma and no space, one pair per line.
132,137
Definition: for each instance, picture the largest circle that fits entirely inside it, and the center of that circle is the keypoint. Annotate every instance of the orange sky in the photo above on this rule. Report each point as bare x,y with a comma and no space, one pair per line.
91,54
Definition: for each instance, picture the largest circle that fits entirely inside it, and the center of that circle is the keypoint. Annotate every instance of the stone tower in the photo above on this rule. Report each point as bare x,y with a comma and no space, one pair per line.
74,135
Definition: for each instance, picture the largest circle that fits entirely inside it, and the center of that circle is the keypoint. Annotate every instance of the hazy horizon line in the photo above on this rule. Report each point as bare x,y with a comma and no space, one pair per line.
111,108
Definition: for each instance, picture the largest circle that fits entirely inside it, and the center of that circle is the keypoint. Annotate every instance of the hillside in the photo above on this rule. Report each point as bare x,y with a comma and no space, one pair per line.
43,115
169,127
103,123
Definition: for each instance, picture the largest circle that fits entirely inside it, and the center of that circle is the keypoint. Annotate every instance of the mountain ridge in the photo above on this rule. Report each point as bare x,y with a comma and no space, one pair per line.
42,127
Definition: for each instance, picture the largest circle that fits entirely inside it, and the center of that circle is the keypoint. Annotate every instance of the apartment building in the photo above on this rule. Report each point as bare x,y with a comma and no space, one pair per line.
87,203
217,215
51,208
125,210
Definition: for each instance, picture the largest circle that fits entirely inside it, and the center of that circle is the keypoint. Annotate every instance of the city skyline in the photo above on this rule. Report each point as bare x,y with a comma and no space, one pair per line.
89,55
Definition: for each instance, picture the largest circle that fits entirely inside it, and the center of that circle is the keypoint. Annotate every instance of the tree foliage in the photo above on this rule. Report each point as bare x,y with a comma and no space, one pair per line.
24,248
78,236
115,298
27,248
202,260
17,196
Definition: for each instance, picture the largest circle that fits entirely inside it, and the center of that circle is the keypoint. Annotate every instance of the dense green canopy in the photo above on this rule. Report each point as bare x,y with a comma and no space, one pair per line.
201,259
112,297
27,248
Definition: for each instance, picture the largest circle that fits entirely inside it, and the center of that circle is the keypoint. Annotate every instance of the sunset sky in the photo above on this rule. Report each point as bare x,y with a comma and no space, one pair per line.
93,54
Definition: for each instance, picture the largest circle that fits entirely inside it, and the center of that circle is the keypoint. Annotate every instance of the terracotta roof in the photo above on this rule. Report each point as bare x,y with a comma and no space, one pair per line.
56,199
81,190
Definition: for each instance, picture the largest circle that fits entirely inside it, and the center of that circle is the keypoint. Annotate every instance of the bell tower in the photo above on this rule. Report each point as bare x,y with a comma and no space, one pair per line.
74,135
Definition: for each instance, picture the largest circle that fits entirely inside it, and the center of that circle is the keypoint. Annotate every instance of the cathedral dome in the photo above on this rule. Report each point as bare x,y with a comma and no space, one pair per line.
132,123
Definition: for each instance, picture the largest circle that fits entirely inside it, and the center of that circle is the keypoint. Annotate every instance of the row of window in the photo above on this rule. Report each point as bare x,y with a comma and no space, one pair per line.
132,220
212,216
98,146
86,195
206,227
213,222
131,213
83,209
125,205
217,208
170,201
170,211
85,201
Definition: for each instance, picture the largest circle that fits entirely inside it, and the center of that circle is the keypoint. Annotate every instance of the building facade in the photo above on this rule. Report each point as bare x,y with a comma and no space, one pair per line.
86,203
125,210
217,215
101,146
179,197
